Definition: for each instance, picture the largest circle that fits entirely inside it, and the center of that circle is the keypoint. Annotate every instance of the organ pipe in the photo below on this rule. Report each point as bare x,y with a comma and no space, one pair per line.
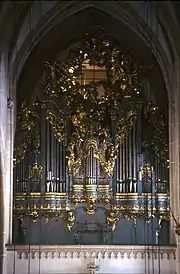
124,163
127,159
120,162
56,167
48,148
134,153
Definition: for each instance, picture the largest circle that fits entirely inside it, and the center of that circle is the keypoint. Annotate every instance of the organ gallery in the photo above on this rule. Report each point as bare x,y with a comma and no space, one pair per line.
91,152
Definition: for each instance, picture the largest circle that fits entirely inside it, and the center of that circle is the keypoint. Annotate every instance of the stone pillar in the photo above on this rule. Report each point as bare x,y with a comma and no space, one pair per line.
3,183
172,162
2,236
6,166
9,172
174,127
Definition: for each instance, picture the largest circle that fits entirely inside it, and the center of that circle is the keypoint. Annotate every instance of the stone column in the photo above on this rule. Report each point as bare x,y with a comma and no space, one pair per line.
6,194
175,156
9,172
2,236
3,170
172,162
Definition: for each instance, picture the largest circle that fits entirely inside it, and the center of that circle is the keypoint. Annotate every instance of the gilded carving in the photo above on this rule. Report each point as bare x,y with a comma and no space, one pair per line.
146,170
57,125
92,123
28,116
35,172
106,156
69,219
73,163
90,205
112,220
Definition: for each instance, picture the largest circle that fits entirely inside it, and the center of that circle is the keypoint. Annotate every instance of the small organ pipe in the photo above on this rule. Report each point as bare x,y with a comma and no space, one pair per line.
130,160
127,158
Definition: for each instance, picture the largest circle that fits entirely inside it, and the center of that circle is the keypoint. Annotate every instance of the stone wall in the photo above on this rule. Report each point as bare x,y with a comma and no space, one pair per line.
75,259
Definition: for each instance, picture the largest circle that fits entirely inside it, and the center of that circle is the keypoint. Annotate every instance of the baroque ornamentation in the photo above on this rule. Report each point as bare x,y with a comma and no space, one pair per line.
112,220
57,125
146,170
105,154
69,219
35,172
92,119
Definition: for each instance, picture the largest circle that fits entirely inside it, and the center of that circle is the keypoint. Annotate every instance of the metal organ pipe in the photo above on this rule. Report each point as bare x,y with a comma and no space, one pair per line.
134,159
47,149
64,186
62,166
117,171
58,165
134,152
91,165
52,159
23,174
127,160
130,161
61,161
124,166
121,166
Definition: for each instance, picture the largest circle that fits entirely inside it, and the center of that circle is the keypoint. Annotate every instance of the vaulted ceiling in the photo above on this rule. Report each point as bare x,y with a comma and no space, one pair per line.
70,30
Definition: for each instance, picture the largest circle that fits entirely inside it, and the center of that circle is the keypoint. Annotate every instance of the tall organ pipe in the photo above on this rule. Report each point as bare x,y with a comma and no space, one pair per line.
130,159
134,153
48,147
52,152
20,183
124,167
65,178
120,164
91,165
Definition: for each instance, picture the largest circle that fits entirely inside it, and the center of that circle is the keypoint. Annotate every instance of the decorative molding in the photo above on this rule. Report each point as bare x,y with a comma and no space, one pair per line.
95,251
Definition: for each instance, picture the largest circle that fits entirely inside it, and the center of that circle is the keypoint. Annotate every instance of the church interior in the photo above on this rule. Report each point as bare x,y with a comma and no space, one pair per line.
89,137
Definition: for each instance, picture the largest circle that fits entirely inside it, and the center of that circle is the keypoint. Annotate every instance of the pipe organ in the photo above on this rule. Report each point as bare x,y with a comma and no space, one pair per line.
91,144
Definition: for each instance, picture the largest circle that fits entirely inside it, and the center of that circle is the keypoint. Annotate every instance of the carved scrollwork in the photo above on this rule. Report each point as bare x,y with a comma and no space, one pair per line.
57,125
107,159
74,163
106,155
28,116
